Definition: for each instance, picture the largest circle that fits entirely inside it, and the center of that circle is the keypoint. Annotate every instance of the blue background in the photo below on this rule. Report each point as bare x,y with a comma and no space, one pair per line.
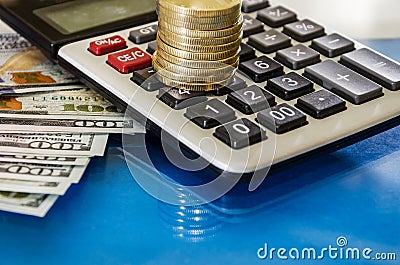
108,219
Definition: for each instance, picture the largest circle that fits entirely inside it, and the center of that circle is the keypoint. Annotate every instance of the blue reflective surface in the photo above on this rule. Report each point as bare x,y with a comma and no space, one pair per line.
108,219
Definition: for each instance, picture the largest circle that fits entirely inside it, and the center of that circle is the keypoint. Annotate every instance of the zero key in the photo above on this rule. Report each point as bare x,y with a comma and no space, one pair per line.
374,66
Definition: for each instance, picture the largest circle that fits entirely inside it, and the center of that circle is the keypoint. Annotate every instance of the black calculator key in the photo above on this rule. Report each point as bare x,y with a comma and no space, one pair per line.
236,83
374,66
146,79
282,118
270,41
240,133
210,114
290,86
145,34
276,17
298,57
321,104
304,30
261,69
344,82
249,6
332,45
251,99
152,47
179,98
251,26
246,52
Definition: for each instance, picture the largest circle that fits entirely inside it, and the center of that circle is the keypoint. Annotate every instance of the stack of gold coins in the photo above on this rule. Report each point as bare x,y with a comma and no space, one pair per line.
198,43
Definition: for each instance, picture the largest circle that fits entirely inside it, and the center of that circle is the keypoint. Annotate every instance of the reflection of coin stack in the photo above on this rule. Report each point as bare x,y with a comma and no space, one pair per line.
198,42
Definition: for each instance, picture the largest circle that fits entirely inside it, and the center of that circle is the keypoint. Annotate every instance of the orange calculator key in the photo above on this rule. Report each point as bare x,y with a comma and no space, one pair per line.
107,45
129,60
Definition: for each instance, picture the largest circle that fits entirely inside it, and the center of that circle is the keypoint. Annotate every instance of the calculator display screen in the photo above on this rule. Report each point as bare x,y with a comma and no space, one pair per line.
74,16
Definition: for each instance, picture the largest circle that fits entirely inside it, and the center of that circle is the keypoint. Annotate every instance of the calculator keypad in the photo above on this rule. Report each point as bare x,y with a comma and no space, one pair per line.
283,56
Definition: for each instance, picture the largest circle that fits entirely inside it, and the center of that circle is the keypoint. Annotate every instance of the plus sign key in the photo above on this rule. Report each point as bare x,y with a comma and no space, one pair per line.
129,60
343,82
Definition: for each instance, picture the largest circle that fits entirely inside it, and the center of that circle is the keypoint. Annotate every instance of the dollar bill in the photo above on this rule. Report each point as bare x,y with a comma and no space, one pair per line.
42,187
13,91
78,110
22,64
54,144
29,204
40,172
44,159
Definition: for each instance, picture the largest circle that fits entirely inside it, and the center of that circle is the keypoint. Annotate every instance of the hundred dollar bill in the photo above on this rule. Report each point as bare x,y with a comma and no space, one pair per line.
42,187
44,159
29,204
22,64
78,110
54,144
12,91
37,172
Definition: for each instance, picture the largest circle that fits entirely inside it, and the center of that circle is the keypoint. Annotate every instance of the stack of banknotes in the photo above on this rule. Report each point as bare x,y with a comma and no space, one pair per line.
50,127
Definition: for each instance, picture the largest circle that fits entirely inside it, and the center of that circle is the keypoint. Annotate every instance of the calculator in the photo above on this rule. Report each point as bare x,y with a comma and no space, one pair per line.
301,89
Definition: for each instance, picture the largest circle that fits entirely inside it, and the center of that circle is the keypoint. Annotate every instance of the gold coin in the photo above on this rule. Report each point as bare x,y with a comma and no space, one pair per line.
199,41
193,86
202,8
231,18
201,48
196,26
197,63
197,56
222,70
188,78
220,33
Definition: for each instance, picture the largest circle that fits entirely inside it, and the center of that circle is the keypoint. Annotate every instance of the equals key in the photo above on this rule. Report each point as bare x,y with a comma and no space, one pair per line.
374,66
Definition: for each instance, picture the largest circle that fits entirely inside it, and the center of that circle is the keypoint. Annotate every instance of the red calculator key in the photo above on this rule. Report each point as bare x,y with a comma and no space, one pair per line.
104,46
130,60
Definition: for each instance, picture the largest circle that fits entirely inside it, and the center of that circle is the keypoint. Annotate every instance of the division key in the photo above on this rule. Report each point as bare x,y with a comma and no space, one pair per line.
374,66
